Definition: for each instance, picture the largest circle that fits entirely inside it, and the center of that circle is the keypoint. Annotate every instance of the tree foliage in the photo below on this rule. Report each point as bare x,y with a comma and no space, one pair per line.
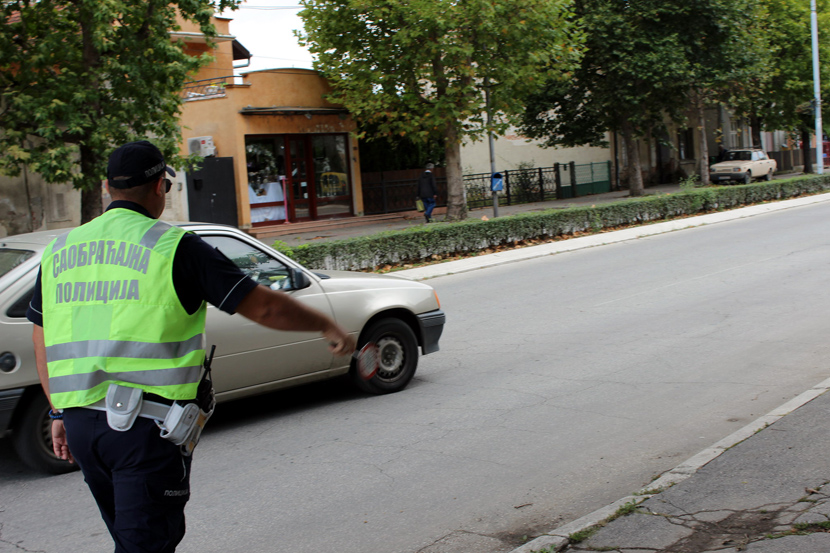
643,61
726,48
78,77
391,153
416,69
782,99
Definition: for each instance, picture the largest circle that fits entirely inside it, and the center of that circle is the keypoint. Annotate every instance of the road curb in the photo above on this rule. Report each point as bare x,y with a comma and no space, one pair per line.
613,237
557,540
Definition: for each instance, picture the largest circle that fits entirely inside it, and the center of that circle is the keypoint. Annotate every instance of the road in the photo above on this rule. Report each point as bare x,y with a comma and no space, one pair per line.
563,384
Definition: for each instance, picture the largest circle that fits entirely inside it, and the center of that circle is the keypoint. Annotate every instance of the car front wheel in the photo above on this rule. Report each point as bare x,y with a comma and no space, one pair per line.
398,353
748,177
32,438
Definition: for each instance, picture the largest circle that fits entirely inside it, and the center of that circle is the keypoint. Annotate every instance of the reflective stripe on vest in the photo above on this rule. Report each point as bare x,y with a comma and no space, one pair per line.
111,312
115,348
155,377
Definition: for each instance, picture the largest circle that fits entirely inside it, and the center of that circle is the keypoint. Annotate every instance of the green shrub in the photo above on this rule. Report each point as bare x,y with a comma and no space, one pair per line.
418,244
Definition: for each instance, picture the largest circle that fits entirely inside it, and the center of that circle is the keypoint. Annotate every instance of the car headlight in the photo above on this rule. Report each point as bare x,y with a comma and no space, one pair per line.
738,170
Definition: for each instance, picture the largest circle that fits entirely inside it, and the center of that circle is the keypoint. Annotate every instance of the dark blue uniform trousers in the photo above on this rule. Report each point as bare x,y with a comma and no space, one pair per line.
140,481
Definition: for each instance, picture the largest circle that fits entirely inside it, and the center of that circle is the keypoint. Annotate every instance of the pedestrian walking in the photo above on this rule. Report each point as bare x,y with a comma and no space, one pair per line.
722,153
119,320
428,191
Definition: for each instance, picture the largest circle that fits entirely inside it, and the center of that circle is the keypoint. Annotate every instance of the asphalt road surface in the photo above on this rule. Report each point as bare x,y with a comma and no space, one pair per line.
563,384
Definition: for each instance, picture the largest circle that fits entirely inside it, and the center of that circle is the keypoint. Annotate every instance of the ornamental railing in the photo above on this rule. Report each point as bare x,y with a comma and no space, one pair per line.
206,88
521,186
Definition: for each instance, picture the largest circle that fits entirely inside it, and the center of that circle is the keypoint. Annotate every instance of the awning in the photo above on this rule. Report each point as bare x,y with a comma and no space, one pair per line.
287,110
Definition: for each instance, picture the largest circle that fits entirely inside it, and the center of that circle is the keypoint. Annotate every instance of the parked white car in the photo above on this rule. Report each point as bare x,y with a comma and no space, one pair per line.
743,166
399,315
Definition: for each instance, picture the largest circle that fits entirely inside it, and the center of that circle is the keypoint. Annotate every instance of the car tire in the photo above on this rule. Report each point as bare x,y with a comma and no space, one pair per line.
32,438
398,352
748,177
768,176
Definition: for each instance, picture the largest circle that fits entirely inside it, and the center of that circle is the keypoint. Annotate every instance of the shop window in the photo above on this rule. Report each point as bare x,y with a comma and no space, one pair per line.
265,161
330,165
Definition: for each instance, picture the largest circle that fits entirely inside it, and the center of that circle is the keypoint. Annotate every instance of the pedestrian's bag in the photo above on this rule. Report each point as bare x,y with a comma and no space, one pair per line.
419,204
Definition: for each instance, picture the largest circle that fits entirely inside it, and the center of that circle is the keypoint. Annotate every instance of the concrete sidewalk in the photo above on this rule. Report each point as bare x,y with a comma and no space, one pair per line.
761,490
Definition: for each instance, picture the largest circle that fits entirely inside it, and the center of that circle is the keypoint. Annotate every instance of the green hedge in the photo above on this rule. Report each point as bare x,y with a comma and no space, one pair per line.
420,243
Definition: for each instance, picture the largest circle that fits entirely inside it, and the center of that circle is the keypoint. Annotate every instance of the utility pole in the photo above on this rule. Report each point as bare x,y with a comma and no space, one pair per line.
817,91
492,145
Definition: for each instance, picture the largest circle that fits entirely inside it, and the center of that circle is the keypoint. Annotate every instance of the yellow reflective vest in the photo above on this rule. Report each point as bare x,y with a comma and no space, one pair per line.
111,313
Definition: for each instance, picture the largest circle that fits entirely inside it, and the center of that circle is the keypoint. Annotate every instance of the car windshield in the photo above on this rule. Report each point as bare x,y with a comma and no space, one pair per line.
253,262
9,259
739,155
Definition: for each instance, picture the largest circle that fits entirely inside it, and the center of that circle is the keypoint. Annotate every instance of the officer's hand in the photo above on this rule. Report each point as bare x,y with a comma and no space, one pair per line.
340,343
59,443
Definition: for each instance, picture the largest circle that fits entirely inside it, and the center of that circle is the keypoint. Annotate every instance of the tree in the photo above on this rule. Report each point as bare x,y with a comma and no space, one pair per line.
782,100
416,69
632,75
78,77
725,48
644,61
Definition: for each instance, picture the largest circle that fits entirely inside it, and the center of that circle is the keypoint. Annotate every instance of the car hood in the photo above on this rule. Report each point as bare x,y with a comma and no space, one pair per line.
356,297
332,280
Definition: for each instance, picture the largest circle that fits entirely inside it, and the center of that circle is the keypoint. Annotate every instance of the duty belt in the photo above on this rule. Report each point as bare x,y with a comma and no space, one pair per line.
180,422
149,409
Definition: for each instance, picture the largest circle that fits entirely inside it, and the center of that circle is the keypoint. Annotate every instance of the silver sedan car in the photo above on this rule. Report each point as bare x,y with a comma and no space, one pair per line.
398,315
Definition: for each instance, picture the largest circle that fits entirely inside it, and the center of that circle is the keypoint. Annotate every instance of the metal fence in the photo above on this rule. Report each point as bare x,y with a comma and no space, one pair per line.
521,186
389,196
788,159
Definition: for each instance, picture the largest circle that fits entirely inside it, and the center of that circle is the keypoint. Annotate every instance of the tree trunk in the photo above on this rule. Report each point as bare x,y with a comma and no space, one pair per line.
703,167
456,194
91,202
805,151
635,172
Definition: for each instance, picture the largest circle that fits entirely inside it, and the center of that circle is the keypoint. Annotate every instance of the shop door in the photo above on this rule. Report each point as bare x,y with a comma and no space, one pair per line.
317,179
299,180
211,192
332,189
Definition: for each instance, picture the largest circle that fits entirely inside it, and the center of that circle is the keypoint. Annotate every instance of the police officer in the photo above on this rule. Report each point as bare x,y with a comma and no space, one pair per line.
121,300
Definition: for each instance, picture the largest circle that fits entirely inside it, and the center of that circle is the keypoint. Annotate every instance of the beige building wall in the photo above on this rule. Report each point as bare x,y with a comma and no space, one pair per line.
28,204
195,44
512,149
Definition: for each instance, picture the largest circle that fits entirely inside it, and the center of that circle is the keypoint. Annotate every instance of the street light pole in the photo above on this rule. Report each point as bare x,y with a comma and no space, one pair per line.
817,91
492,144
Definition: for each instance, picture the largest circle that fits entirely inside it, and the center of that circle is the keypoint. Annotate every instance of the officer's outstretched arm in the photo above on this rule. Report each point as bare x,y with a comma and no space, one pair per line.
280,311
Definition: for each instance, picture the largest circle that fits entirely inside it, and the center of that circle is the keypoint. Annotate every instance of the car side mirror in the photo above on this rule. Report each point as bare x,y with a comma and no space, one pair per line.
299,279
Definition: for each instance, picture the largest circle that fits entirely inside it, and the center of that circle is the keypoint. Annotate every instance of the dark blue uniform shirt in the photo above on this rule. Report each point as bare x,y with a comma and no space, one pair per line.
200,272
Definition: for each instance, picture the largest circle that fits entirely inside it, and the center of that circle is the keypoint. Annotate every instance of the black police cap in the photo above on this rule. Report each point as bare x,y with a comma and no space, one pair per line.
134,164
